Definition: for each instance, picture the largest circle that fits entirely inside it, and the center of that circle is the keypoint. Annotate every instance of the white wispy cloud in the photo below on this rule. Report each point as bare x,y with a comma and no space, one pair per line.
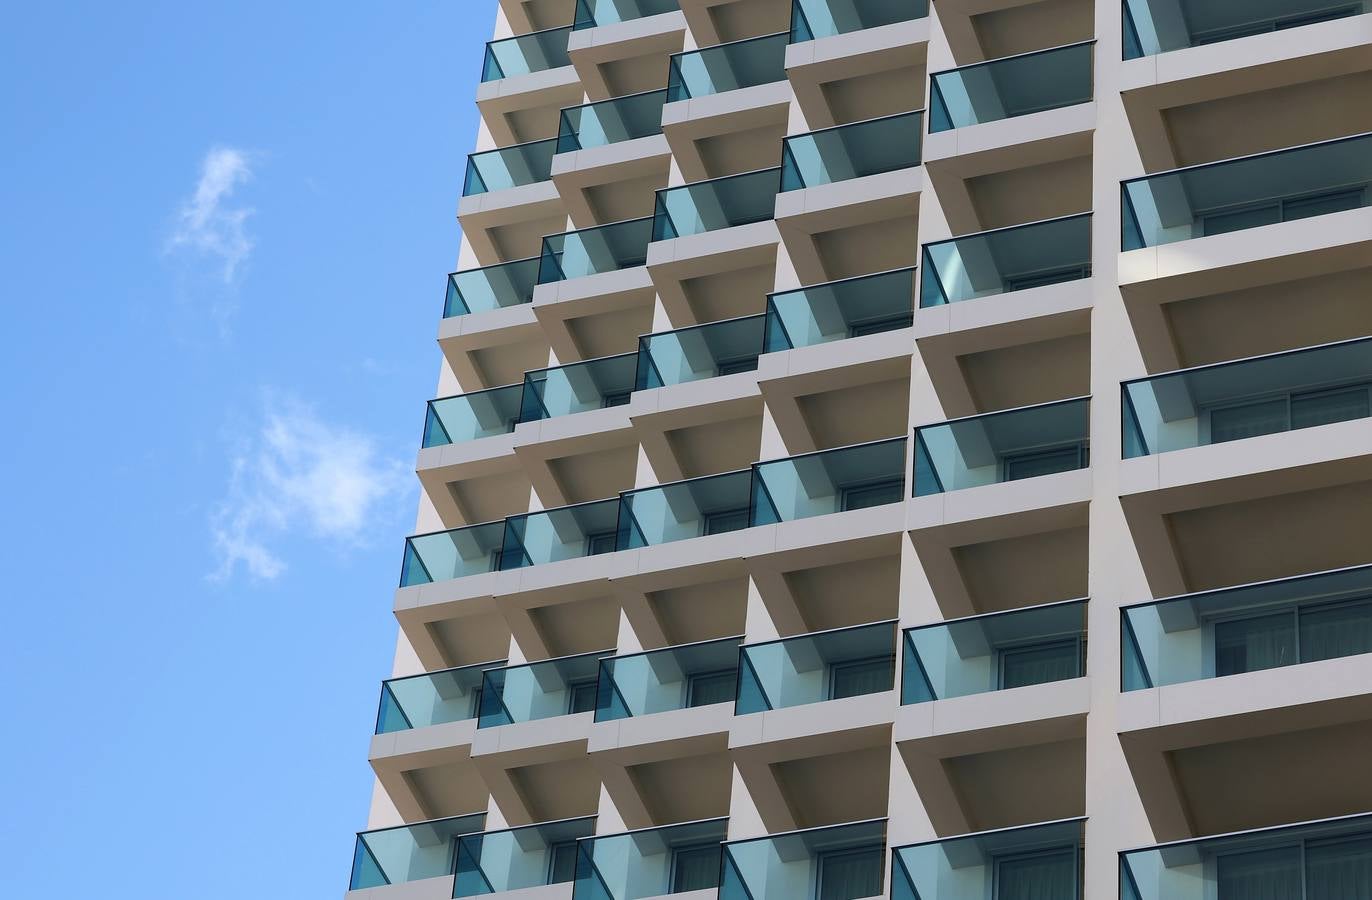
208,223
297,474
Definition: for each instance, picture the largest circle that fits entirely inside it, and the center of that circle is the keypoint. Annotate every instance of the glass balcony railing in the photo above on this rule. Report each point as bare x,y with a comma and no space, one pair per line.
650,862
812,19
1231,631
540,690
518,858
466,417
456,553
1325,860
509,167
1248,192
434,698
699,352
718,203
1042,862
409,852
566,532
1157,26
813,668
727,67
523,54
610,121
836,862
1006,260
593,13
680,510
829,481
1003,446
994,652
680,677
1010,86
851,151
1249,397
491,287
594,251
853,307
578,387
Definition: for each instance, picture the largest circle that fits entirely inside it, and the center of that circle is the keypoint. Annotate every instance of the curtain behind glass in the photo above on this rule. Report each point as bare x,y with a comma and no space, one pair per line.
1250,420
1248,645
851,874
1329,632
1261,875
695,869
1043,876
1039,665
866,677
1322,408
1339,870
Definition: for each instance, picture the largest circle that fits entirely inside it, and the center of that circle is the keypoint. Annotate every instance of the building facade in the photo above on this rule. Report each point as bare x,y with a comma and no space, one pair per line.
900,449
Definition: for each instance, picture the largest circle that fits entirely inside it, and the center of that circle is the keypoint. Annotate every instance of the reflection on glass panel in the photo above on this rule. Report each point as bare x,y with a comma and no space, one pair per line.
1244,629
1002,446
1248,192
610,121
699,352
718,203
837,862
508,167
540,690
1327,859
409,852
1009,87
680,677
578,387
1157,26
853,307
516,858
452,554
851,151
1007,259
492,287
994,652
433,698
727,67
812,19
830,481
1036,862
467,417
526,53
1248,397
594,13
565,532
651,862
595,251
813,668
680,510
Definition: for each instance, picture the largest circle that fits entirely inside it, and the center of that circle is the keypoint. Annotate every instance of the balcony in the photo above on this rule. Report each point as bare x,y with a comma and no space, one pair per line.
444,555
817,667
553,535
1006,260
469,417
831,862
489,333
662,514
1320,859
1039,861
508,200
699,352
994,652
434,698
594,251
579,387
510,167
829,481
611,157
718,232
1160,26
490,288
849,197
812,19
622,46
1001,447
597,13
426,850
540,690
516,859
685,676
650,862
1248,398
1010,87
726,67
525,79
839,310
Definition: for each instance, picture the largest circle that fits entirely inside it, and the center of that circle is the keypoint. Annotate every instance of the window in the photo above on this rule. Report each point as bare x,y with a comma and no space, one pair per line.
1325,407
1046,277
1039,663
581,696
850,874
878,325
726,520
1308,634
616,398
695,868
1249,420
1041,874
1017,466
1279,24
1301,410
711,687
875,493
562,862
732,366
1270,212
603,542
1329,869
863,676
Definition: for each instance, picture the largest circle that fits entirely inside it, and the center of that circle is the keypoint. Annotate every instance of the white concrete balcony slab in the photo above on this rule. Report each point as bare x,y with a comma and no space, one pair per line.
661,736
444,750
626,57
659,413
525,107
814,729
510,223
690,124
996,720
862,57
612,182
720,21
493,347
674,262
487,470
560,306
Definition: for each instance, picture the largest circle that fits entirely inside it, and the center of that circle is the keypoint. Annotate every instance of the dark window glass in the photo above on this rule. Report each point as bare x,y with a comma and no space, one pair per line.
695,868
582,697
711,687
864,676
1248,645
562,862
1021,666
876,493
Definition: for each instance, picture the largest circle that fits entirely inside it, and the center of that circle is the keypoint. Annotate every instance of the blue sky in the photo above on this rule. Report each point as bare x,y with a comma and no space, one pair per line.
224,232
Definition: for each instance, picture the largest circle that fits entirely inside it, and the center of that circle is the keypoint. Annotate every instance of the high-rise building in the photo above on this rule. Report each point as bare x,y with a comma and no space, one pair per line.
897,449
